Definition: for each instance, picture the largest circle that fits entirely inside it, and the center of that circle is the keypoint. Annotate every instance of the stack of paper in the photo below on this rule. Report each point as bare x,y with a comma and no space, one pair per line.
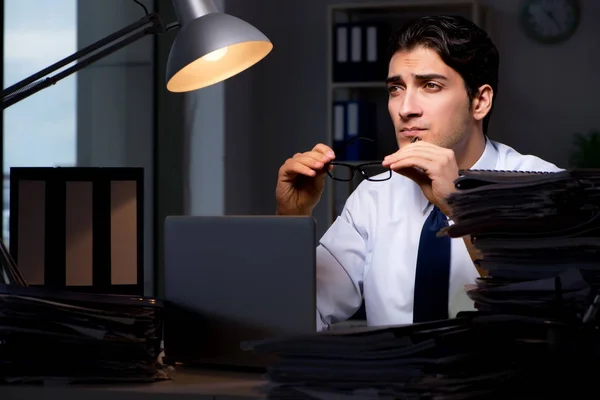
476,356
73,337
530,225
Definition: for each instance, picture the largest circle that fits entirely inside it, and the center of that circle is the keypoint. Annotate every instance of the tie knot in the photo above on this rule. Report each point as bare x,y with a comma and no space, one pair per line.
436,220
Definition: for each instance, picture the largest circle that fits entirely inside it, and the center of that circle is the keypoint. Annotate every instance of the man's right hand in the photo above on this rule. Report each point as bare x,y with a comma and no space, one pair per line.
301,181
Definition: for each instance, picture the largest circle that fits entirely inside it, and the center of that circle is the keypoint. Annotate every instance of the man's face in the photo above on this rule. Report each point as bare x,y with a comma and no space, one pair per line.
427,99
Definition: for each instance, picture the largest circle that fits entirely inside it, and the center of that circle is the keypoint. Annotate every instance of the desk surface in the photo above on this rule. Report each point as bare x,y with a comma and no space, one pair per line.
185,384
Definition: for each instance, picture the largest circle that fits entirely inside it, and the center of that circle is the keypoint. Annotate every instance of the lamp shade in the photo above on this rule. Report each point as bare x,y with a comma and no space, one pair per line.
212,48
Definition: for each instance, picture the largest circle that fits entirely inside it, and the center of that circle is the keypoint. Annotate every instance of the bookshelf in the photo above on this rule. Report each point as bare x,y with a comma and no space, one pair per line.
366,85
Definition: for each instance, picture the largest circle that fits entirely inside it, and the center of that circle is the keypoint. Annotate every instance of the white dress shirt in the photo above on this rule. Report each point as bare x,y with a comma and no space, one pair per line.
371,248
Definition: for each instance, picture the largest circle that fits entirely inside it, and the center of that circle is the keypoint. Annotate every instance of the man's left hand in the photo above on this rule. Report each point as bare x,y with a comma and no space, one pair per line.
432,167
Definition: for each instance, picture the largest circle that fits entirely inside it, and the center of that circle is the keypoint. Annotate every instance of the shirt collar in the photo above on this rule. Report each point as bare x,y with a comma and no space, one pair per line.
488,160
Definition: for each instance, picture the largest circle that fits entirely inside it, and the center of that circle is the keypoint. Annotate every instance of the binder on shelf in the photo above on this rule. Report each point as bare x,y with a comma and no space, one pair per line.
348,52
339,127
340,57
359,52
375,40
356,51
360,121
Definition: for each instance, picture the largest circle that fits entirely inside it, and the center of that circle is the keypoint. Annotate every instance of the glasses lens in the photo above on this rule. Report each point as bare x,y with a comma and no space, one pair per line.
341,172
375,172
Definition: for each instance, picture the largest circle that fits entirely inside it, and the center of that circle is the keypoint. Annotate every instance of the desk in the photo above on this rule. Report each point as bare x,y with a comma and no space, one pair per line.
186,384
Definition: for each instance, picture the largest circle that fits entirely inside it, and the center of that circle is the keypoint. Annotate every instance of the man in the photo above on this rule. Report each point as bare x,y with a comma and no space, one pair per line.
442,78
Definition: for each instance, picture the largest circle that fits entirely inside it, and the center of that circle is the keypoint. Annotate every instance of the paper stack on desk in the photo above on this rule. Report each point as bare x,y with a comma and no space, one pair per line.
542,227
48,335
527,225
474,357
53,335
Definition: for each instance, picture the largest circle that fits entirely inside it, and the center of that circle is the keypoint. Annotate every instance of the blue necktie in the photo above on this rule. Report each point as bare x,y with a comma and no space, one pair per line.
432,279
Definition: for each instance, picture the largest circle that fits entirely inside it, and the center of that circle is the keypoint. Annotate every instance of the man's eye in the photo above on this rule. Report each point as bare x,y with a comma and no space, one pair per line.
431,85
394,89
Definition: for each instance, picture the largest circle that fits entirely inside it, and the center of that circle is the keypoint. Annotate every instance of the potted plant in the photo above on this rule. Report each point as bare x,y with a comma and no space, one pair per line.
587,150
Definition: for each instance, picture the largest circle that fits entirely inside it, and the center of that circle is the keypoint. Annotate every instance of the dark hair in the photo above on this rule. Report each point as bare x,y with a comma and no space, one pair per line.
460,43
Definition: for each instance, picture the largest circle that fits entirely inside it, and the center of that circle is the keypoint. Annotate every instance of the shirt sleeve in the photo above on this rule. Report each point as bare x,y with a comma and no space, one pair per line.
341,257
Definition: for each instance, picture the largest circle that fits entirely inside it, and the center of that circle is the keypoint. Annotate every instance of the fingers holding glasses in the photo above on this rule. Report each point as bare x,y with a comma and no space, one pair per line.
301,181
324,150
309,163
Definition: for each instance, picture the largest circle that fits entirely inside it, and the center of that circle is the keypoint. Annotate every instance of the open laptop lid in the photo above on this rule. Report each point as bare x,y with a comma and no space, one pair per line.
230,279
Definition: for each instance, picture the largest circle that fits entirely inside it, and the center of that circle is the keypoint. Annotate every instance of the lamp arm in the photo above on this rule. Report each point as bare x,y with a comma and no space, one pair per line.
84,57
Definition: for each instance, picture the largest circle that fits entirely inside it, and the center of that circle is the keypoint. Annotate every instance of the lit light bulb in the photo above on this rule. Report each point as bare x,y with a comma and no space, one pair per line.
215,55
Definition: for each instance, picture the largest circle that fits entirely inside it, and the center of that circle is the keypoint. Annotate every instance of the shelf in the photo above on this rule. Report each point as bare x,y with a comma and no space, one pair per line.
395,5
358,85
384,8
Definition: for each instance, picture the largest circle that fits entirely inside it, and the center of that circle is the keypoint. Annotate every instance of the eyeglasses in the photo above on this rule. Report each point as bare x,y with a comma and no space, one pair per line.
345,172
372,171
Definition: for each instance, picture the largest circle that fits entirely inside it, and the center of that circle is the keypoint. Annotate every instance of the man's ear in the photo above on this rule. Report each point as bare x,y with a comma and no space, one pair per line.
482,102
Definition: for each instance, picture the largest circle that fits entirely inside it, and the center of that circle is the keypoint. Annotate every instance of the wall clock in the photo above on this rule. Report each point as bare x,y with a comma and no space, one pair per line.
550,21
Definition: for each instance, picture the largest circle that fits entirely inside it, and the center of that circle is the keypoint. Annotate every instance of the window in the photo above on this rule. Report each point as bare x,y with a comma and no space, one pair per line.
41,129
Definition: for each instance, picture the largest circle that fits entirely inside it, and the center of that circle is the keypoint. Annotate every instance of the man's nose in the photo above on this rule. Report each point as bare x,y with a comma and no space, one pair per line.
409,107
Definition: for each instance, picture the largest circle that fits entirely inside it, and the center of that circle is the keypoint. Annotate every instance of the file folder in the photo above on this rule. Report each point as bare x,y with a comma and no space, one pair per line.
348,58
356,52
342,71
359,52
360,121
339,127
375,42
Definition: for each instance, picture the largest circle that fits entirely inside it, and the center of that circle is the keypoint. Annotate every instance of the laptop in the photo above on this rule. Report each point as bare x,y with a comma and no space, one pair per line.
230,279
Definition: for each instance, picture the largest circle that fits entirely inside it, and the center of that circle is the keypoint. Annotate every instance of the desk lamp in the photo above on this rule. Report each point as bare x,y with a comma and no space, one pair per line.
210,47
